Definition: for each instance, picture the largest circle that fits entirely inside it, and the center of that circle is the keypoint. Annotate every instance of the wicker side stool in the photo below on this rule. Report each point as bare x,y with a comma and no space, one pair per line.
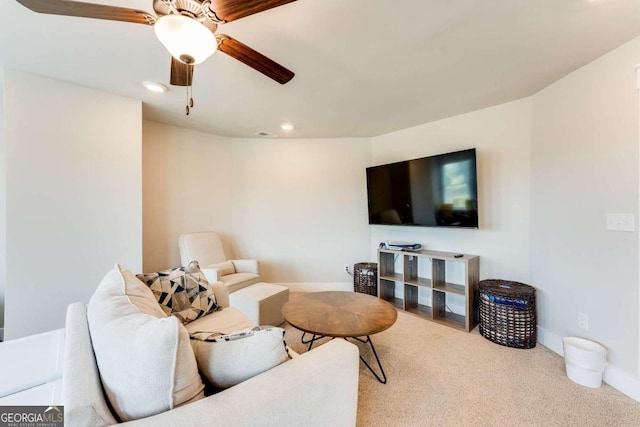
365,278
508,313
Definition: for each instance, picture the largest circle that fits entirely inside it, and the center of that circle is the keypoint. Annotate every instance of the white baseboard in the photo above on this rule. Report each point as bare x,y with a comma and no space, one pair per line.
318,287
614,376
550,340
622,381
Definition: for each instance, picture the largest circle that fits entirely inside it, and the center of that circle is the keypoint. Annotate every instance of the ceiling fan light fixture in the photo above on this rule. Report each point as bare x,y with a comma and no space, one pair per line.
186,39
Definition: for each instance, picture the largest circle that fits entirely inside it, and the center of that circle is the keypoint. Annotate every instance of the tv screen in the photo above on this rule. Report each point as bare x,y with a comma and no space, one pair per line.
436,191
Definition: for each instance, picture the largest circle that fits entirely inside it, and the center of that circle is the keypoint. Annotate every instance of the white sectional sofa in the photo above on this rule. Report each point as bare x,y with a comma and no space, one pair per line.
317,388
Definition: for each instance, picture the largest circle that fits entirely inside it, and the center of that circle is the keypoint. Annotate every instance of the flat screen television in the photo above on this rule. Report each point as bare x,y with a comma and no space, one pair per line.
435,191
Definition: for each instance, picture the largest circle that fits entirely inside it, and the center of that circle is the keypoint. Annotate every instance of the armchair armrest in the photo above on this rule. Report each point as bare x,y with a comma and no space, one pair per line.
246,266
212,274
221,292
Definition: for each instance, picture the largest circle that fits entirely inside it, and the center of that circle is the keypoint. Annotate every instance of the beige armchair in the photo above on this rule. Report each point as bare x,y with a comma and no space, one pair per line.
206,248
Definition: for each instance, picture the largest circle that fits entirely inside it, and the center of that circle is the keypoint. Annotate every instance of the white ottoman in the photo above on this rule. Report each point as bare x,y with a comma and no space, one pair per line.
261,302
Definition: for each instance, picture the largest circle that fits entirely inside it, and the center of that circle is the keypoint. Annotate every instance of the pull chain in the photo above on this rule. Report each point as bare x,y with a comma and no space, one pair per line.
189,106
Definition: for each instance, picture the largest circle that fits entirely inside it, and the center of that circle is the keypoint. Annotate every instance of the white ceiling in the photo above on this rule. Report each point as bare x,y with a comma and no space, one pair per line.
363,67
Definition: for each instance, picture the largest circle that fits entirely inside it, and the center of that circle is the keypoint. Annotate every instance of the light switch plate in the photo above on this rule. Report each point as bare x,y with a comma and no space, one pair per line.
621,222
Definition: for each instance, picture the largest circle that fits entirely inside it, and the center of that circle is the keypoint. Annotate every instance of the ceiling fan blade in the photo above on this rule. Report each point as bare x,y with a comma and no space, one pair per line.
89,10
181,73
254,59
230,10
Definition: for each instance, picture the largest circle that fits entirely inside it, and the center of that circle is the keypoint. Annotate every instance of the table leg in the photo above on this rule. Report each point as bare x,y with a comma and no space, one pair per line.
313,339
383,380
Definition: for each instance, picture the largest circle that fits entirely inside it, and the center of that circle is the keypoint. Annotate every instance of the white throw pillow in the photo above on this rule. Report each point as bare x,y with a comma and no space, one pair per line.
146,362
227,360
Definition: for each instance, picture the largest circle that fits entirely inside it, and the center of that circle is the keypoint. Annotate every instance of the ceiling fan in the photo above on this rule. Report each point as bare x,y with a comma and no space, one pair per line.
187,28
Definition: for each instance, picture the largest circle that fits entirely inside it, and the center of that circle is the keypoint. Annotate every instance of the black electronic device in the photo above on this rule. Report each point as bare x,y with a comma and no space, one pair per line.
435,191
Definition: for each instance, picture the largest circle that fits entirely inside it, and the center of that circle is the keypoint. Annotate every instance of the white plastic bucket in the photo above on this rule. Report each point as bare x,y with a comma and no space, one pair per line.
584,360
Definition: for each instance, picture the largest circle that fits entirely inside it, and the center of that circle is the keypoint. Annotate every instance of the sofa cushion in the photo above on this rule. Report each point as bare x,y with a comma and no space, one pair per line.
238,281
183,292
146,363
228,359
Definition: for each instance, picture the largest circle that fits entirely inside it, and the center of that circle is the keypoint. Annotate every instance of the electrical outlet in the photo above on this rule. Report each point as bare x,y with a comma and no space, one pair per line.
620,222
583,321
346,269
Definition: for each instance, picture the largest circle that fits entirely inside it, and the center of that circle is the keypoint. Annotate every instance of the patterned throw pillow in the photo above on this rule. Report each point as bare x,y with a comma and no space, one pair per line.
183,292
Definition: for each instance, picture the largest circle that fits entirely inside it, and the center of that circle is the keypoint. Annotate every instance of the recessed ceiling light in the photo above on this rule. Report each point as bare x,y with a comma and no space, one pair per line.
154,86
286,126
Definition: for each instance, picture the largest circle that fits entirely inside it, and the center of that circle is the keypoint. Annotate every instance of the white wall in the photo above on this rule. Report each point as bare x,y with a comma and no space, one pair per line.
73,196
300,206
585,164
187,186
501,136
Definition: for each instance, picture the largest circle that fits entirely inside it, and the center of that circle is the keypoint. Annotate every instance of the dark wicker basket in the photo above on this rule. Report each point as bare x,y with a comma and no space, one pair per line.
508,313
365,278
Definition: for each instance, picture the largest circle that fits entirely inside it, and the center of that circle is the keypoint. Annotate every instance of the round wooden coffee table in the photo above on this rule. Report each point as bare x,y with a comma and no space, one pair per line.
341,314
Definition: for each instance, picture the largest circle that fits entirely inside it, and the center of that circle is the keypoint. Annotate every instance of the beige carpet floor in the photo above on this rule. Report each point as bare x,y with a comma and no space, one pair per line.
441,376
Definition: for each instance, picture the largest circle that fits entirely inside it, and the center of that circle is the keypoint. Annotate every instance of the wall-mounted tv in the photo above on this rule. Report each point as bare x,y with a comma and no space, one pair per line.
435,191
